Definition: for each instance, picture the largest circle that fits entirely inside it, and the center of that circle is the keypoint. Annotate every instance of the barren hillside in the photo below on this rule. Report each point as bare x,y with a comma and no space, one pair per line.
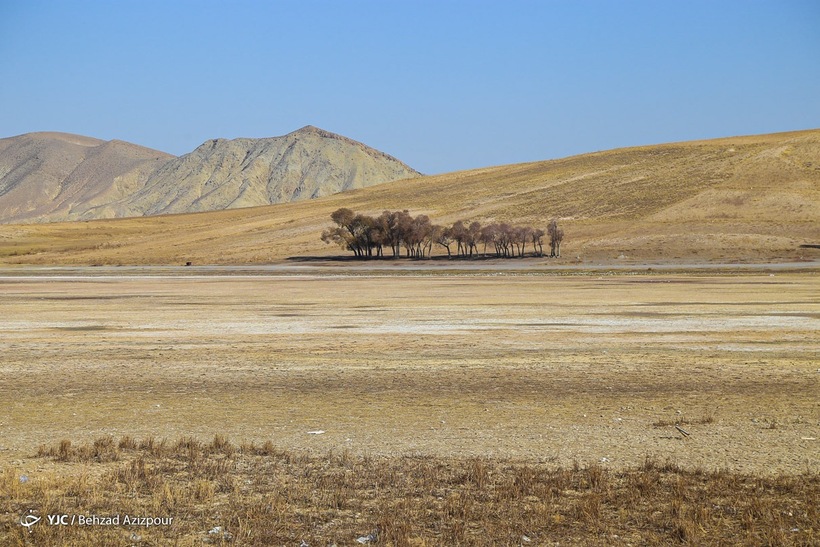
58,176
227,174
50,177
751,198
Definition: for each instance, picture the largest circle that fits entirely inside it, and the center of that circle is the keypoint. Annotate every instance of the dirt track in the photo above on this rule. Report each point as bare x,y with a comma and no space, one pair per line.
556,368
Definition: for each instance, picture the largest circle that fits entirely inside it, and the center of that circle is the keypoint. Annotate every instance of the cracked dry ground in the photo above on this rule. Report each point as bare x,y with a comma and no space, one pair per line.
560,369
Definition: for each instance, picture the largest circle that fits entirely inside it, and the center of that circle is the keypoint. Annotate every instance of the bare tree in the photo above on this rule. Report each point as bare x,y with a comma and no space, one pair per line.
473,236
339,236
505,239
459,234
379,235
363,227
488,236
423,235
366,236
537,237
444,237
344,234
520,235
395,227
385,225
556,237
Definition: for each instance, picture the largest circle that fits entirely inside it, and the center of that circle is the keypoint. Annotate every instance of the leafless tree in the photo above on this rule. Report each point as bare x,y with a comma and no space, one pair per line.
344,233
364,227
537,237
423,235
473,236
556,237
339,236
520,236
459,235
505,239
392,224
487,236
444,237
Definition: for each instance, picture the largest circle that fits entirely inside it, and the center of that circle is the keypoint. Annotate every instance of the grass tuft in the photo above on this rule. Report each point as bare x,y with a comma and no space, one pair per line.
261,495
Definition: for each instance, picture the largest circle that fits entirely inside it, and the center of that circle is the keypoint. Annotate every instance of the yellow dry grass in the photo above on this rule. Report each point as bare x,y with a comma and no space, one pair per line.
539,367
745,198
454,408
216,492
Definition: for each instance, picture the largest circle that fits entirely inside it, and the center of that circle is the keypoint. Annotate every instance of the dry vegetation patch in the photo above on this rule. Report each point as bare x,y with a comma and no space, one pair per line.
251,494
453,408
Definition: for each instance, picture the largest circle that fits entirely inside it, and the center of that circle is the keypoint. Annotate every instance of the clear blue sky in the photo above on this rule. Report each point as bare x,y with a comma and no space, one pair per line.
442,85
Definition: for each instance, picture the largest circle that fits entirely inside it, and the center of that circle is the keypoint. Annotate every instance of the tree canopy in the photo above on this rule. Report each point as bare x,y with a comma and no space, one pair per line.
368,236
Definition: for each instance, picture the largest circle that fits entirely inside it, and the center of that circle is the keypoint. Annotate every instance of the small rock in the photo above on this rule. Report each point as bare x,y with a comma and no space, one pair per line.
369,538
24,478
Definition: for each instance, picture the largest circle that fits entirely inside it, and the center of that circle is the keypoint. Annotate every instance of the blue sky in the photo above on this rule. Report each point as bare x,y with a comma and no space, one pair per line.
442,85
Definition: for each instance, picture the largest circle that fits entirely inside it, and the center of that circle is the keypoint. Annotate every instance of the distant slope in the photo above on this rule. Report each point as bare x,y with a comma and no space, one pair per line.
745,198
58,176
223,174
47,177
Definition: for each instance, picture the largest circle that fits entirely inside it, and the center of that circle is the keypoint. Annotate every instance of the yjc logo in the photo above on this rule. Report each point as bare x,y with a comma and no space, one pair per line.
29,520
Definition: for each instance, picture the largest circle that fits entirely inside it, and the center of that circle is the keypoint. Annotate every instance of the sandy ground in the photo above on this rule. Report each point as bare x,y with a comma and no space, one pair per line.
537,366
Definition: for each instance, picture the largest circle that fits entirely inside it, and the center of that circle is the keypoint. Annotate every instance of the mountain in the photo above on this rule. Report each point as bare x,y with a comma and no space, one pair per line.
48,177
58,176
753,198
226,174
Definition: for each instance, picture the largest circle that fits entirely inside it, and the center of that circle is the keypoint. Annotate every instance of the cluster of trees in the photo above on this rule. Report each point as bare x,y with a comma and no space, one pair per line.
368,236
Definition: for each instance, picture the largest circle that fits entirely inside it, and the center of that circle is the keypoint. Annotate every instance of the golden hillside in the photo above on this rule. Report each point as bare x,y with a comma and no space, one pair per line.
743,198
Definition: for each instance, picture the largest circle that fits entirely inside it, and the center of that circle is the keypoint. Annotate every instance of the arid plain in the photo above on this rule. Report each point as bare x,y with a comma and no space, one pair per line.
530,365
657,384
417,407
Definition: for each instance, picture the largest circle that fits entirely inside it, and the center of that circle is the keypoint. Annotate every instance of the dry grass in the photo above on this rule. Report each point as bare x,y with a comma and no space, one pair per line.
557,368
454,408
707,418
745,198
259,495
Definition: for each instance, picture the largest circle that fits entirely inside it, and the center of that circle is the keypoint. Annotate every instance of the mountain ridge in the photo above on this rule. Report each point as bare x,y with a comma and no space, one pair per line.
746,198
53,176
